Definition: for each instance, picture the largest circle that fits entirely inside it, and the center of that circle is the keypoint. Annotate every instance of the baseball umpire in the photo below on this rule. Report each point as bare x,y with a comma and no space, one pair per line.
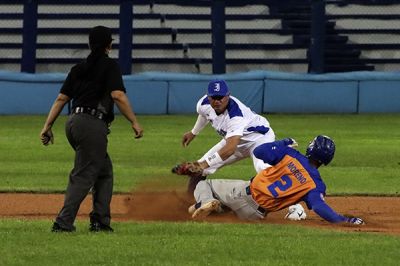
292,178
93,86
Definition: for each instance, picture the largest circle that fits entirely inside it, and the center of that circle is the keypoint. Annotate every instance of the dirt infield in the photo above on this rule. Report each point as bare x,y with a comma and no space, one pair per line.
382,214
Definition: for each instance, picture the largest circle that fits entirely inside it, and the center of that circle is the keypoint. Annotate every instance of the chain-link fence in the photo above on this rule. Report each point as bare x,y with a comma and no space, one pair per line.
177,36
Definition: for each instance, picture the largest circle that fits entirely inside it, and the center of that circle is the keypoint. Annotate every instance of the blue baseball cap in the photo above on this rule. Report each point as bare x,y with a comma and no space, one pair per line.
217,88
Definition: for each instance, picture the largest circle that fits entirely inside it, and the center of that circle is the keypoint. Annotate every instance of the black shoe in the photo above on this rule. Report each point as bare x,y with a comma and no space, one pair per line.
99,227
58,229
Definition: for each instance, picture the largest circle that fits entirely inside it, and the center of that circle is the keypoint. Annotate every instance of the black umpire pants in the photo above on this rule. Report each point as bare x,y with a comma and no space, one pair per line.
92,170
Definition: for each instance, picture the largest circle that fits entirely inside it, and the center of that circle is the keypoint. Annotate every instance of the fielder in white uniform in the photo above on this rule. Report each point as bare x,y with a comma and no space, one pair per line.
241,130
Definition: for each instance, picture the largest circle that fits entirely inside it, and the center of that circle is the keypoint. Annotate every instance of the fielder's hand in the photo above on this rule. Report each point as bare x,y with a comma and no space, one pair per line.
46,136
188,168
187,138
356,221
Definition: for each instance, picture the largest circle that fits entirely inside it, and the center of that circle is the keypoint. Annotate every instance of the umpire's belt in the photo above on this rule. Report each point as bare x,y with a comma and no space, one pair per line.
259,209
90,111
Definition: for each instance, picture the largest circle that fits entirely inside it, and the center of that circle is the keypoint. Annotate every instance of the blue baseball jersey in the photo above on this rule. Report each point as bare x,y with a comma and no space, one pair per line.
237,120
290,179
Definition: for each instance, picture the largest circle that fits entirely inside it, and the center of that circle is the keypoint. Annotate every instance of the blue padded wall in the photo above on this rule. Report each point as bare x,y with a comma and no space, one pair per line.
183,96
379,97
289,96
27,98
250,92
147,97
263,91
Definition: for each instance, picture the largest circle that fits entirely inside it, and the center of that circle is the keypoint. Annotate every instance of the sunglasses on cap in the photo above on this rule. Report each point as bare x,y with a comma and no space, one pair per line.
217,97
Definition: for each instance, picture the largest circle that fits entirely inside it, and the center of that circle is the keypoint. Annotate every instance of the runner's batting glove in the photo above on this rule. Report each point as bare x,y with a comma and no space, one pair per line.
290,142
356,221
188,168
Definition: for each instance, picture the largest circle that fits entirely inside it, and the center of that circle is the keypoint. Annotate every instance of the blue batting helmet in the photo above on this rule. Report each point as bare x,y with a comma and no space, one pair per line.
321,149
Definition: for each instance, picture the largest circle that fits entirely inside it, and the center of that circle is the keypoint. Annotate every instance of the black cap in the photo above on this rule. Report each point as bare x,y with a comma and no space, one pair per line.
100,36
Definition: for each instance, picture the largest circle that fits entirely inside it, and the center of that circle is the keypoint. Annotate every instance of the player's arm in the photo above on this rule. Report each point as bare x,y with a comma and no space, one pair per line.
234,131
273,152
315,201
230,147
201,122
115,85
46,135
122,101
223,154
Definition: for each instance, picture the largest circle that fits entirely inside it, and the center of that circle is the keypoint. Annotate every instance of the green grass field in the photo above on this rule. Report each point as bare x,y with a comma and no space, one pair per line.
367,162
30,243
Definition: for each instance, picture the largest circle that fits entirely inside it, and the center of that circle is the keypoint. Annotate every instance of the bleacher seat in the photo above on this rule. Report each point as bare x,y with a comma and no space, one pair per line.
371,28
170,37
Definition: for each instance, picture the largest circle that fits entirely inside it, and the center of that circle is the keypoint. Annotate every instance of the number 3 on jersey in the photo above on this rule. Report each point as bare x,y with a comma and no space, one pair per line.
284,184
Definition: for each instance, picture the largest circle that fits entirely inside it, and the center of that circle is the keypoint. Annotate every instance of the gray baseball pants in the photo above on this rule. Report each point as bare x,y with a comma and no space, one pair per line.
92,170
231,193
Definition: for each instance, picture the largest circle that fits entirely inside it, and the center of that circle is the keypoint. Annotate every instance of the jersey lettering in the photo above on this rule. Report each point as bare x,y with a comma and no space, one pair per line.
282,185
299,176
279,185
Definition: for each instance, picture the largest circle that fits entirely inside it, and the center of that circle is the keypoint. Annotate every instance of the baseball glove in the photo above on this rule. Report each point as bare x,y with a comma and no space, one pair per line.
188,168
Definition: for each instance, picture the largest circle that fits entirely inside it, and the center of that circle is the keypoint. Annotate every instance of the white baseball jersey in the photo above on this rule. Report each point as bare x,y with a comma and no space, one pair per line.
237,120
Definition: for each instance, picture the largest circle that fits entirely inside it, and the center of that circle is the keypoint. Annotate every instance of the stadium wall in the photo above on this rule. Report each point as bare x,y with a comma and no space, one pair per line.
263,91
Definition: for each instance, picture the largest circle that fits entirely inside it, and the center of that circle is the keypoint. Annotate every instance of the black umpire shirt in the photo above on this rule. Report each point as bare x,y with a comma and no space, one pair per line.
91,86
